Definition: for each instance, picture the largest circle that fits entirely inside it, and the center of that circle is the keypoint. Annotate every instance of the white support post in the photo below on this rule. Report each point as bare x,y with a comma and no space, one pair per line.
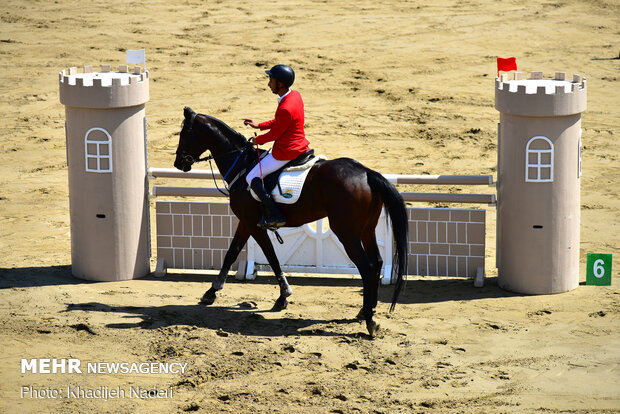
319,245
387,260
160,270
479,279
241,270
250,272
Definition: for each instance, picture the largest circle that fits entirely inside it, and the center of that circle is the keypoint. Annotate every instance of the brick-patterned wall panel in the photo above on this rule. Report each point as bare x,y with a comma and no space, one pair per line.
195,235
445,241
442,242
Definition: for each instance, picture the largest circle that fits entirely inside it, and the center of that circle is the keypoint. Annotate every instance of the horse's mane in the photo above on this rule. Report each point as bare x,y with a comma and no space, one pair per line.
235,137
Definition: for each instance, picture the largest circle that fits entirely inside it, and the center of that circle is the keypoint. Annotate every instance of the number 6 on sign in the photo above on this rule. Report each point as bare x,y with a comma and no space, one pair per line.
598,269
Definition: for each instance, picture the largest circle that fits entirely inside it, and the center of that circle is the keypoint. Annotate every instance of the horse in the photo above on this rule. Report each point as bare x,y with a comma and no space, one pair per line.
348,193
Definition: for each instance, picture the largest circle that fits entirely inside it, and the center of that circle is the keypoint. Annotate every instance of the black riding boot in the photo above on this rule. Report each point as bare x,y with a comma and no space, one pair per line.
272,216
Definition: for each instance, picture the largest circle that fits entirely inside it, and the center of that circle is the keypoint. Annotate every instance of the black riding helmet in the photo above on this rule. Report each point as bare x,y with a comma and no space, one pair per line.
283,73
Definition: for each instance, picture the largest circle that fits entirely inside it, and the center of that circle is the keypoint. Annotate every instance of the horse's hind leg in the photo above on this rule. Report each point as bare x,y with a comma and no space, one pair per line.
265,244
241,237
376,263
372,250
359,257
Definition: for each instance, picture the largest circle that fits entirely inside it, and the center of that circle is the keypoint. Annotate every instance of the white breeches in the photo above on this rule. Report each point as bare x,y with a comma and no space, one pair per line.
268,165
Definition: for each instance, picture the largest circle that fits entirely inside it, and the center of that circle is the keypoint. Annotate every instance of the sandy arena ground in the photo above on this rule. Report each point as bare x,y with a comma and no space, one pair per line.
404,87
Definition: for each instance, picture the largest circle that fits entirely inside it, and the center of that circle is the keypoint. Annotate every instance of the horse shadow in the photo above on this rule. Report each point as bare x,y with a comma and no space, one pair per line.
244,319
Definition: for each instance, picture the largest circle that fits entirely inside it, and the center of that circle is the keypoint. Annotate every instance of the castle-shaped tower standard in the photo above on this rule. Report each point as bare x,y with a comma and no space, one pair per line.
539,170
106,156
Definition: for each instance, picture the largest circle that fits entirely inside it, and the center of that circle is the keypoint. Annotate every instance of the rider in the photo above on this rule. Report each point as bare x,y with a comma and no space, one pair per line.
287,130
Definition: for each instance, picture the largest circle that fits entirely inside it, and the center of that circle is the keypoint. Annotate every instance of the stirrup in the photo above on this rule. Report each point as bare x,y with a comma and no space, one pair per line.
272,224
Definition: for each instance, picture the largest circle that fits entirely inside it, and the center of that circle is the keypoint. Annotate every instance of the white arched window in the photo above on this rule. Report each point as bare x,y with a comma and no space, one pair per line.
539,160
98,149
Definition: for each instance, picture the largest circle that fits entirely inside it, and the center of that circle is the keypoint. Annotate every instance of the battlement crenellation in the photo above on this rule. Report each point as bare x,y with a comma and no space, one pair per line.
538,96
89,78
519,85
103,89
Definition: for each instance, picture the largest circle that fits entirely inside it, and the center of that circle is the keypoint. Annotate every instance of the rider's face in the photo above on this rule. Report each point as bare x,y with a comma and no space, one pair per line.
273,85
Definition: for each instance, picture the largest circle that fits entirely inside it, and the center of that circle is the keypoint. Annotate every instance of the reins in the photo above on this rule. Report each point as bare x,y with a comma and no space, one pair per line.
226,185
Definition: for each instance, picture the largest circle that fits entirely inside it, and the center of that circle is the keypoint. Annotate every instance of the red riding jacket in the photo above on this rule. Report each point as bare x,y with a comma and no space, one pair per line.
286,129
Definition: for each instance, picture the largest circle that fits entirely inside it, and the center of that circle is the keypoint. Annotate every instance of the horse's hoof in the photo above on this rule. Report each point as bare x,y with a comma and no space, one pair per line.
280,304
373,328
208,298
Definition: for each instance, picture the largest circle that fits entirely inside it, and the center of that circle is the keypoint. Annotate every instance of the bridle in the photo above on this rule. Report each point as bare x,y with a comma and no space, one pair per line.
189,159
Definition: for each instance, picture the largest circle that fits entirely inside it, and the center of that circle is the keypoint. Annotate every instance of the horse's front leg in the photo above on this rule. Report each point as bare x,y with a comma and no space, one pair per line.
239,240
265,244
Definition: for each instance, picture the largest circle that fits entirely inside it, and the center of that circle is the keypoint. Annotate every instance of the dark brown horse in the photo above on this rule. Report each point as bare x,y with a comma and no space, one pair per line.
345,191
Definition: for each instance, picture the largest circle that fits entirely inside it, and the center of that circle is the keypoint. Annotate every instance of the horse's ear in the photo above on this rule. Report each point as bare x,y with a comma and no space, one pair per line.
188,112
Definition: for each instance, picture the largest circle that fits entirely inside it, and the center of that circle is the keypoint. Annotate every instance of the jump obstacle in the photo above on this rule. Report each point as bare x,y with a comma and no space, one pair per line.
442,242
539,170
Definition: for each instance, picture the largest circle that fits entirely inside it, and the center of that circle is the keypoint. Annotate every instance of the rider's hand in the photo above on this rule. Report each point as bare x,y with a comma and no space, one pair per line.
250,122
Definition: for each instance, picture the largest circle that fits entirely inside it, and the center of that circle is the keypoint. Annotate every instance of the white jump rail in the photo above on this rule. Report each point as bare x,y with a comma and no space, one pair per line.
393,178
161,191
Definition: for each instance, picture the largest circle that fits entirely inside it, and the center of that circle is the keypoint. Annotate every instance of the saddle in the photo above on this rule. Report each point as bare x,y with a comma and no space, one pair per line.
285,184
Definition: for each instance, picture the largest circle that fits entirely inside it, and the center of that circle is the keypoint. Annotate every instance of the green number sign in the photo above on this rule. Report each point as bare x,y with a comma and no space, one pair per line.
599,269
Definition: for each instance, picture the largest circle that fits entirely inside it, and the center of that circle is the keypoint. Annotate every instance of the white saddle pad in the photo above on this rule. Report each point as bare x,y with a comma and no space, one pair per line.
291,182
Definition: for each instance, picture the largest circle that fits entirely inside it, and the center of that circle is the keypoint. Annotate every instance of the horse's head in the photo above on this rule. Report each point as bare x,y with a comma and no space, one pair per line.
200,133
190,146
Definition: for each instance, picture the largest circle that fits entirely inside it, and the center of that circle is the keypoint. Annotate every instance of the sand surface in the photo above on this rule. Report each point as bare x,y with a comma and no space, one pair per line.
404,87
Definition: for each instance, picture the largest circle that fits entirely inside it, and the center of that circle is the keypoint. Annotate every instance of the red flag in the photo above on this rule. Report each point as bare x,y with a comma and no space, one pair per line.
506,65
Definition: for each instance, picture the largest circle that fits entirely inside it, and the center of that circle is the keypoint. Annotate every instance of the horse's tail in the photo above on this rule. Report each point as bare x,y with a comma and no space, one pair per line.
397,211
